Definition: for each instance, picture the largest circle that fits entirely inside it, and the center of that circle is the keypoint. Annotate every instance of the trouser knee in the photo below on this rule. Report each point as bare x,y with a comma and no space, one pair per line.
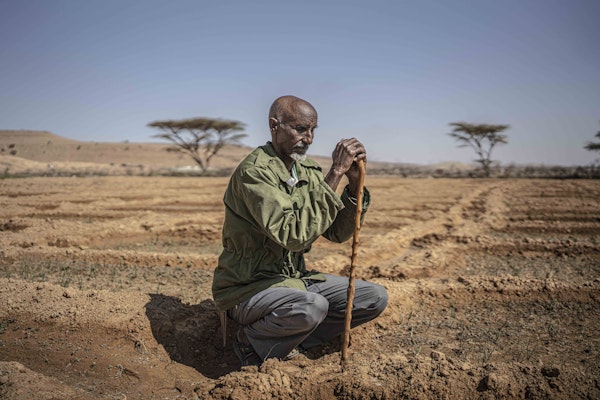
382,296
314,311
379,296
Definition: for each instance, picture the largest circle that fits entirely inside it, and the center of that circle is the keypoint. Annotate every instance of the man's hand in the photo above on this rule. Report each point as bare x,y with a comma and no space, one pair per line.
346,152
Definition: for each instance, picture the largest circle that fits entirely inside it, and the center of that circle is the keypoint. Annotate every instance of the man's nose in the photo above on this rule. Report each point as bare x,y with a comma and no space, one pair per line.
308,137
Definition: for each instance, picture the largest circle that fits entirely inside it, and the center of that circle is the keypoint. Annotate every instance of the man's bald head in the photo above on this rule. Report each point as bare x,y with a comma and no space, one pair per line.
285,107
292,122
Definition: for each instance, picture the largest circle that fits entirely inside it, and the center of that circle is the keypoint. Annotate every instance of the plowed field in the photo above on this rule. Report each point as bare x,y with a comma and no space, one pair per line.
494,293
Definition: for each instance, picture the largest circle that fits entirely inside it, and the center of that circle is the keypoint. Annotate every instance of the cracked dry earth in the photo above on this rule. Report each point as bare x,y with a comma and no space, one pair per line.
494,293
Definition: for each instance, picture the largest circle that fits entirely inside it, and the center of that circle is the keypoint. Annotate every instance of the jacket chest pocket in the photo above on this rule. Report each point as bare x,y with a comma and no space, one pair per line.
297,199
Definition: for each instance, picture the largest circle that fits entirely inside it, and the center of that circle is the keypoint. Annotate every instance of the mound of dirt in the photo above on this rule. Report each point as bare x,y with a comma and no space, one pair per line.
494,293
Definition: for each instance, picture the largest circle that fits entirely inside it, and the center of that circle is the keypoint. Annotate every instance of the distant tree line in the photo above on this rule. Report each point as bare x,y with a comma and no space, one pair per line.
482,138
202,138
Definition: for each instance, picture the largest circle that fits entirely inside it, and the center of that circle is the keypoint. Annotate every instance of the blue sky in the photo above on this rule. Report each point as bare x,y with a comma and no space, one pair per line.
391,73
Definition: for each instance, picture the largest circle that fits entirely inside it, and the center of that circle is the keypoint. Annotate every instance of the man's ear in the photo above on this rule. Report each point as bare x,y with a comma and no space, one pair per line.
273,123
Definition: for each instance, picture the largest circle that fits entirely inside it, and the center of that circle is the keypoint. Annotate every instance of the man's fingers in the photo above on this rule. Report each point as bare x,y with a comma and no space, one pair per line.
352,146
350,151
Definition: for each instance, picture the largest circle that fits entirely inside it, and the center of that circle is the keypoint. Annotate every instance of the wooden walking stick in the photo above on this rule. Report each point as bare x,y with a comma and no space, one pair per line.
350,298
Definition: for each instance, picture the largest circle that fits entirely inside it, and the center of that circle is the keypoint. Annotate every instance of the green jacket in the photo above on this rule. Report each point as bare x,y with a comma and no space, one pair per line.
269,225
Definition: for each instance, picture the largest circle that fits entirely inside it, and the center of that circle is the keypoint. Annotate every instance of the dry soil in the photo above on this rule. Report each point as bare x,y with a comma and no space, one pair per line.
494,293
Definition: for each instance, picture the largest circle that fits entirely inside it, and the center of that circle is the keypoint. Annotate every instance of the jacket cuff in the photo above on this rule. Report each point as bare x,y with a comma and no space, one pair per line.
348,199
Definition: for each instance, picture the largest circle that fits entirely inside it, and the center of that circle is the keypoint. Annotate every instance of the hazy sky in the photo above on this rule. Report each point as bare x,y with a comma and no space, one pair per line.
392,73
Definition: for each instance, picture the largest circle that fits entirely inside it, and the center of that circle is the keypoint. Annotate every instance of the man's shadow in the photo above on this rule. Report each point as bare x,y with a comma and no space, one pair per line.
191,334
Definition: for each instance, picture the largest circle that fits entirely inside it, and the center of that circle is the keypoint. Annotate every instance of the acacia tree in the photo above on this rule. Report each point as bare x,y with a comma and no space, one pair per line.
200,138
482,138
593,146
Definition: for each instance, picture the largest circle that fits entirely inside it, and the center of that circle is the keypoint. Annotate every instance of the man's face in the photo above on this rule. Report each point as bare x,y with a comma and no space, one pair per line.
294,134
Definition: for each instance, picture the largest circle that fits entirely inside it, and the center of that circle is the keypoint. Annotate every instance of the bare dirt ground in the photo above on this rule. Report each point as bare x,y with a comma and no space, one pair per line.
494,293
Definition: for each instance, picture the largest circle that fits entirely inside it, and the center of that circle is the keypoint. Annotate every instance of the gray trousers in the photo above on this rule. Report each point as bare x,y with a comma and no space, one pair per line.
279,319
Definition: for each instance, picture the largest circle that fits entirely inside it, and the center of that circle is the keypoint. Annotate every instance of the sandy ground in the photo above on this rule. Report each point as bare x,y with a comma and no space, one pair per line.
494,293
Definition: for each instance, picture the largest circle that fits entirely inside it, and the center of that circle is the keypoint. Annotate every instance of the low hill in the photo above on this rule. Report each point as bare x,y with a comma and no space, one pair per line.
27,152
47,147
38,152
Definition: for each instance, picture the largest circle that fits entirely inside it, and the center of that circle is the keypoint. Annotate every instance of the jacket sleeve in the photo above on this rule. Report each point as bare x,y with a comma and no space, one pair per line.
273,210
342,228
